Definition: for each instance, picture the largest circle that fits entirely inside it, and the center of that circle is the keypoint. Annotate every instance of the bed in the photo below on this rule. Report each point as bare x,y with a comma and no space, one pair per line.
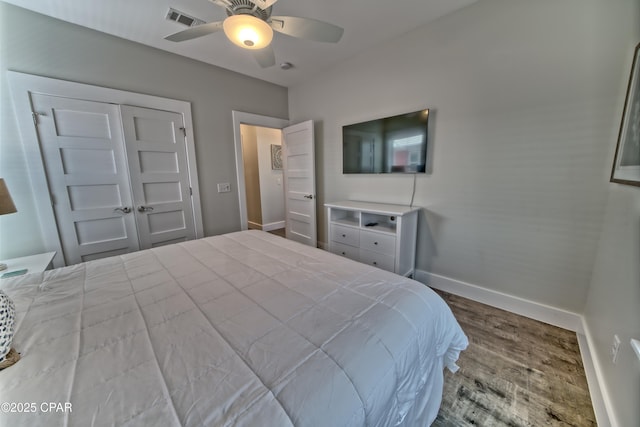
242,329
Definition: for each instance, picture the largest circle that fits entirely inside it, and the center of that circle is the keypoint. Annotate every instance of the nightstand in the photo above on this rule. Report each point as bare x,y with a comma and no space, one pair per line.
33,263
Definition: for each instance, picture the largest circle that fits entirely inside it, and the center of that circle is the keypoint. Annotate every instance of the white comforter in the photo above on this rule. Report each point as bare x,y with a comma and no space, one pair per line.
244,329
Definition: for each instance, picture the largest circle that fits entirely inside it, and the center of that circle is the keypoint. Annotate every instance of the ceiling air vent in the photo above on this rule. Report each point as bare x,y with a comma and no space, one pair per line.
183,18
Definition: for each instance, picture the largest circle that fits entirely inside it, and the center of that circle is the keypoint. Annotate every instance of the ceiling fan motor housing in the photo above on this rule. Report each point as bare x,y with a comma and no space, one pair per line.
247,7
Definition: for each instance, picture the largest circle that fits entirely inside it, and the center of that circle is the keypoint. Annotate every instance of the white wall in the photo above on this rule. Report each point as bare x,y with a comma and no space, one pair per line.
524,98
271,189
36,44
613,305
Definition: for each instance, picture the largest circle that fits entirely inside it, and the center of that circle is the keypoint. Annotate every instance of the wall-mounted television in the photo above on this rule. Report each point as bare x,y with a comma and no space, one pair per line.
396,144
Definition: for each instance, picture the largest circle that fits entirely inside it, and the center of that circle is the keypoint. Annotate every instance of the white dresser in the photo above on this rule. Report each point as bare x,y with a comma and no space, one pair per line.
378,234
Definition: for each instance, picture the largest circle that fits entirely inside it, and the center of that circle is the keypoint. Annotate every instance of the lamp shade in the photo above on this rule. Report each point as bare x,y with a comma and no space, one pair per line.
247,31
6,203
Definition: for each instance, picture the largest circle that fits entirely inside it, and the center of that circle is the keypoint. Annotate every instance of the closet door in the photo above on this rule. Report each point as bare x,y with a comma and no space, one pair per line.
83,151
157,157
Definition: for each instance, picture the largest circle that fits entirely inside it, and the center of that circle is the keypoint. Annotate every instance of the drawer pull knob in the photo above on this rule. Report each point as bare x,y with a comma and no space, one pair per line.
375,243
343,253
344,235
375,263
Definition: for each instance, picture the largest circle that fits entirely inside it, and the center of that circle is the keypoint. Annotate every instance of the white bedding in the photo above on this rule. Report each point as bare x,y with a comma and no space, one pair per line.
243,329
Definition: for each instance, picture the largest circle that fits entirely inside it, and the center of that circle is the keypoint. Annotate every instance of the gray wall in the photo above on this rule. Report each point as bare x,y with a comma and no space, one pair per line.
524,97
36,44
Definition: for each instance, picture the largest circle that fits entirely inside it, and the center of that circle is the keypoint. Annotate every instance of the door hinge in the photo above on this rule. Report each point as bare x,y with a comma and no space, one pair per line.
184,131
34,115
190,191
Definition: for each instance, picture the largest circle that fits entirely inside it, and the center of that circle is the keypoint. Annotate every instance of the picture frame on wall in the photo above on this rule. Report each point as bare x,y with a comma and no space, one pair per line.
626,163
276,157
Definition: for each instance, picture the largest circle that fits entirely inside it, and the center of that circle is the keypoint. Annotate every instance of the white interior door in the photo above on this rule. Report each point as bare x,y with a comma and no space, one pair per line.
298,158
84,156
157,155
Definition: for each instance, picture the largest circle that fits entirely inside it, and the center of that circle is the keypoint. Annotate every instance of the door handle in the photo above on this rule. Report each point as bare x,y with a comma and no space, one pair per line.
308,196
125,210
144,208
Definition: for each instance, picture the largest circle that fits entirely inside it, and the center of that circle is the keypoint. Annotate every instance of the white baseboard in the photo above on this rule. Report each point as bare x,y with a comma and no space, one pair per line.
266,227
600,398
544,313
273,226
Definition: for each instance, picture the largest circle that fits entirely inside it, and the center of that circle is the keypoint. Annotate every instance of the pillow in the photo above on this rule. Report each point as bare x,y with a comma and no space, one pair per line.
7,321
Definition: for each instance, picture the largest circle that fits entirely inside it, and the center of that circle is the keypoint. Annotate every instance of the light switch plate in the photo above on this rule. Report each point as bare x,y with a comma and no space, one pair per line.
224,187
635,344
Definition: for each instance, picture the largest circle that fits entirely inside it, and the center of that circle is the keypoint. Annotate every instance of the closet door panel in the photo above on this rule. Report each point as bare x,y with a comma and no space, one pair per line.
157,157
85,162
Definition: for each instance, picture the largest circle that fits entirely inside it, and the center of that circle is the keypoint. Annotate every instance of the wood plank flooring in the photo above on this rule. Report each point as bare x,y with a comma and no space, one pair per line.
515,372
278,232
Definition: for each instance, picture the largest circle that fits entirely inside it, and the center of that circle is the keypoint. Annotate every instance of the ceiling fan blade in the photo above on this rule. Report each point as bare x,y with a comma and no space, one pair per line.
263,4
195,32
265,57
222,3
307,28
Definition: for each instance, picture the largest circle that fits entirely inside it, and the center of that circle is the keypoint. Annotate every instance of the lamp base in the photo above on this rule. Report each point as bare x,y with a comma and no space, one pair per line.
3,266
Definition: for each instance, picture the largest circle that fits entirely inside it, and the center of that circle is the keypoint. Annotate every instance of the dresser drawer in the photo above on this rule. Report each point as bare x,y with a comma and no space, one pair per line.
376,259
347,251
345,235
376,242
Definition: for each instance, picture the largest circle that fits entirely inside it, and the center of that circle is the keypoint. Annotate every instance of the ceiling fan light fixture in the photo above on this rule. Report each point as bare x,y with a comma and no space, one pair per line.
247,31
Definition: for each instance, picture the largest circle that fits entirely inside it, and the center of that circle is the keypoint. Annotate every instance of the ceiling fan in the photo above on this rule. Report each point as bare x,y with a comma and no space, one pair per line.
249,24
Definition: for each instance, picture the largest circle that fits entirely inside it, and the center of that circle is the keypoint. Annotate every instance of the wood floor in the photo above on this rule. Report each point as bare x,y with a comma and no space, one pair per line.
516,372
278,232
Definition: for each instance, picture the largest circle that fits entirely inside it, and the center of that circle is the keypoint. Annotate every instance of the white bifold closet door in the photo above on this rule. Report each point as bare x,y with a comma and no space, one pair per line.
159,175
117,176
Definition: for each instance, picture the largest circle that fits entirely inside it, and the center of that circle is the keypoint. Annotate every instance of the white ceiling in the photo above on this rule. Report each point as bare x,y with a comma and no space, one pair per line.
366,24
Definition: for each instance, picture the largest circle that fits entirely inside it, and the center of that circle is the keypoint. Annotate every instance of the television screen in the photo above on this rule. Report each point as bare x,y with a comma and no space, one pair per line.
396,144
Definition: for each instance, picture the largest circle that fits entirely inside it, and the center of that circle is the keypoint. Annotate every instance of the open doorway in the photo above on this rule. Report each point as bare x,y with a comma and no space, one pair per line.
241,119
263,178
298,180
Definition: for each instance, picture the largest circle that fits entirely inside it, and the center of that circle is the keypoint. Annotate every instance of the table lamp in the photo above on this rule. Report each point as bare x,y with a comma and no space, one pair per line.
6,206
